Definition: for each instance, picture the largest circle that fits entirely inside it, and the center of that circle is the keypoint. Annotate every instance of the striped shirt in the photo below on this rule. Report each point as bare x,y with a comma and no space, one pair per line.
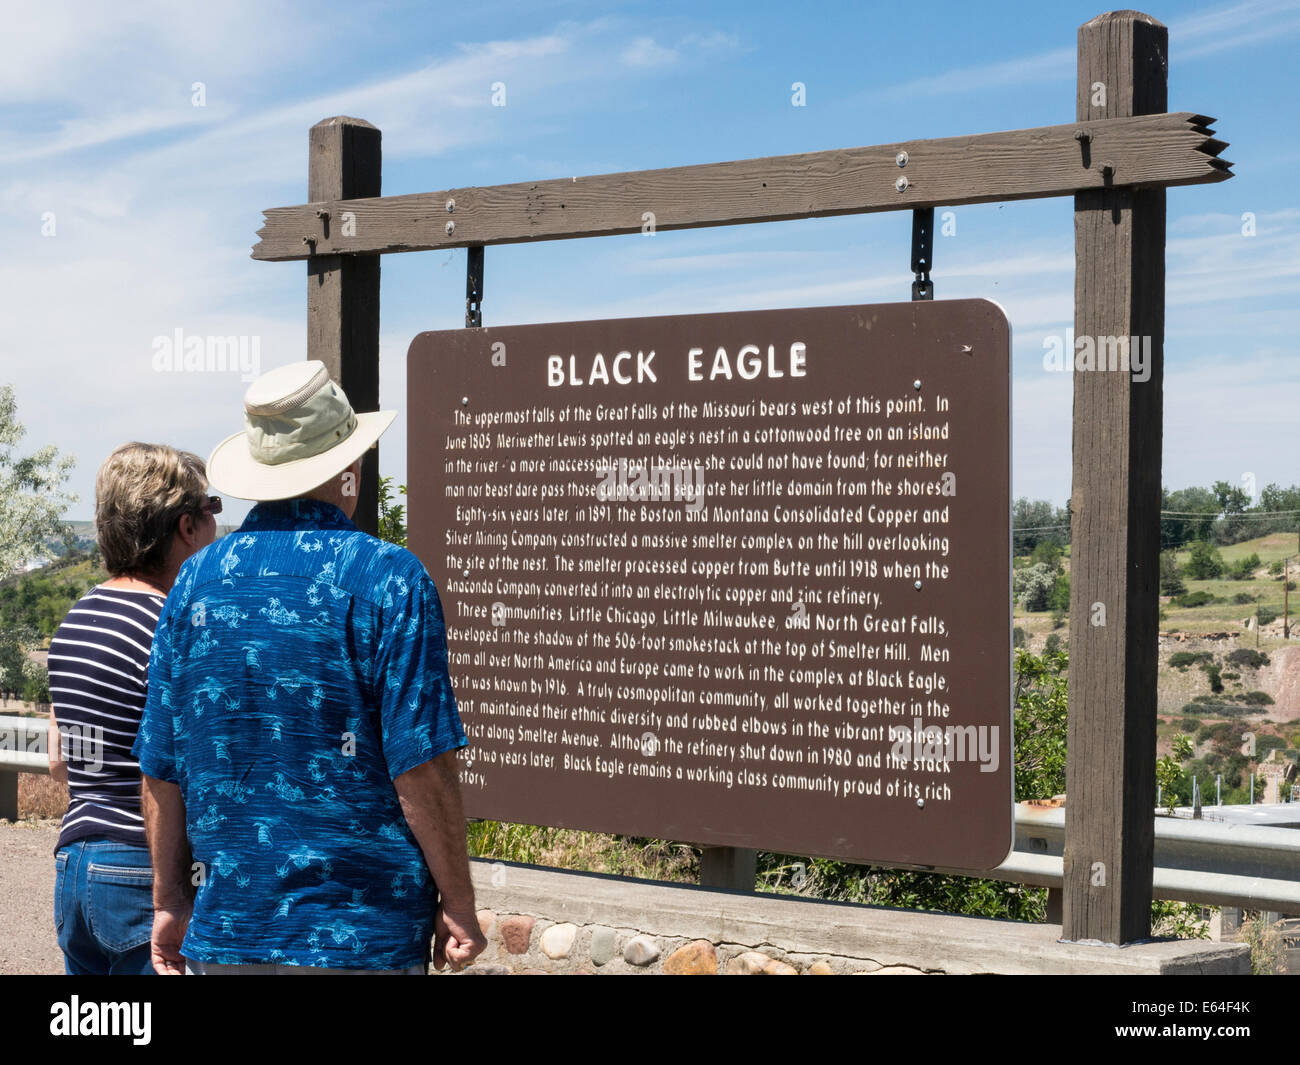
99,672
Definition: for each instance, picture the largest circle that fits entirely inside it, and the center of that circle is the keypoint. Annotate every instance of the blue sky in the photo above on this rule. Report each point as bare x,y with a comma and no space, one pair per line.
156,202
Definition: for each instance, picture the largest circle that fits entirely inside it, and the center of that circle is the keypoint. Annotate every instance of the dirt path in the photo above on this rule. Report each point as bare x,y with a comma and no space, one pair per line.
27,940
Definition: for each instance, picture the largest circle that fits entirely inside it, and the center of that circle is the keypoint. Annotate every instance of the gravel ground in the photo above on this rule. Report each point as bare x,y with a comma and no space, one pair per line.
27,940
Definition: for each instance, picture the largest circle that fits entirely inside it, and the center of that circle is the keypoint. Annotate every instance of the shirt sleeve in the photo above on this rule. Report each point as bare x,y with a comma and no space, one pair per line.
418,713
154,745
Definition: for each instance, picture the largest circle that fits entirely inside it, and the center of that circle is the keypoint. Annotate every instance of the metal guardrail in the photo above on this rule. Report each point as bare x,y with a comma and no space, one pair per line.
22,744
1215,863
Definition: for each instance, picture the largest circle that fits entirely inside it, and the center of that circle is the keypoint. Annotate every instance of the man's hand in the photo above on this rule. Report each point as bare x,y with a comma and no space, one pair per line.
173,894
431,803
165,944
457,938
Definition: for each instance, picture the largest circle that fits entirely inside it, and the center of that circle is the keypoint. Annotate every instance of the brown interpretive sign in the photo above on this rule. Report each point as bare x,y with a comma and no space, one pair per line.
734,579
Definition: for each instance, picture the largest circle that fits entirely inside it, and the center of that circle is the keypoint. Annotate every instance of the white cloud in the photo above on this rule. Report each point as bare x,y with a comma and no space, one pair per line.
645,52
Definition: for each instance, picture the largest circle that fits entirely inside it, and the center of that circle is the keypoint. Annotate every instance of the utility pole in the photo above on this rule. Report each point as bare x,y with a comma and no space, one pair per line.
1286,598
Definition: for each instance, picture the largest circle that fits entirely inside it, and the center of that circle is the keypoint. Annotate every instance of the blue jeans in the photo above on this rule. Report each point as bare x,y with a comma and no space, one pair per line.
103,907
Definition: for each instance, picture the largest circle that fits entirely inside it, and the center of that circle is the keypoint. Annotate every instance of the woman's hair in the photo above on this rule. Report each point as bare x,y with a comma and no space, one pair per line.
141,491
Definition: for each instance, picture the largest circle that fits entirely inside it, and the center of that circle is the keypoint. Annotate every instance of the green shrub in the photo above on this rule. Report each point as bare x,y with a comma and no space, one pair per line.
1246,658
1210,706
1194,599
1058,599
1244,568
1048,552
1216,681
1266,743
1183,659
1257,698
1242,598
1204,563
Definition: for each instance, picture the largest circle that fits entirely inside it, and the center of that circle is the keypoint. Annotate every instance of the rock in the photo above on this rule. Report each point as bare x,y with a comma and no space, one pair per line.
485,919
894,970
820,968
534,972
697,958
779,968
640,950
748,964
515,934
603,943
557,940
486,970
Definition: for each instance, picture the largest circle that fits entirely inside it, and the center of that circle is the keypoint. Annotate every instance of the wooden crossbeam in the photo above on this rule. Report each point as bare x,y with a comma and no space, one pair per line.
1147,151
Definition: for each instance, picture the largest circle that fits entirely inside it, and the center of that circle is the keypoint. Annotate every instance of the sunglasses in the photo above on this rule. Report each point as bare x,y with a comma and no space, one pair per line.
212,506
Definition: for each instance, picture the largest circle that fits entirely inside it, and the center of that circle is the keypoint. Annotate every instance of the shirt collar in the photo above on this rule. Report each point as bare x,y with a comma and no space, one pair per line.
296,514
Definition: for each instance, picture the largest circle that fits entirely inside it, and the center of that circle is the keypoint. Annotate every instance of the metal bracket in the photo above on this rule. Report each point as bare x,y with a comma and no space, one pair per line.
474,287
922,252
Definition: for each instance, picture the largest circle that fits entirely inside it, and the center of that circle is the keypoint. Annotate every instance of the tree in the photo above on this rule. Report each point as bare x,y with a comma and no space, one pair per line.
32,500
1205,562
1034,521
1233,502
1048,552
1171,581
1041,688
1278,501
1169,771
392,516
1058,599
1032,587
1194,512
14,642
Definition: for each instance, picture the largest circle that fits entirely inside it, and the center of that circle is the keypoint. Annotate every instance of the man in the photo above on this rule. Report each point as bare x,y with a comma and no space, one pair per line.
298,745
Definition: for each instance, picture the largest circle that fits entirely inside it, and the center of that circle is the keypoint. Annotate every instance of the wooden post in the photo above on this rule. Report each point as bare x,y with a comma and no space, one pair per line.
9,797
732,868
343,290
1119,291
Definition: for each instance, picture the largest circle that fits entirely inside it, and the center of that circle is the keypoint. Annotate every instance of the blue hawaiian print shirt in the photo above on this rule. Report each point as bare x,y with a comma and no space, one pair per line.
299,666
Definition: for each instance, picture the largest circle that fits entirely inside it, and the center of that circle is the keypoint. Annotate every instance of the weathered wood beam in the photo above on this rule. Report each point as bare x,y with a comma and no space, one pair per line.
1101,152
343,290
1119,291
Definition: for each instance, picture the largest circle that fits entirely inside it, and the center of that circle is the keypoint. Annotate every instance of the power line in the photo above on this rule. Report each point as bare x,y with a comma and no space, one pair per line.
1259,515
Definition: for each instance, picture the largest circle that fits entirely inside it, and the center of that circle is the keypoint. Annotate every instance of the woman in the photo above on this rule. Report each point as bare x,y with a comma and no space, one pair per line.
152,512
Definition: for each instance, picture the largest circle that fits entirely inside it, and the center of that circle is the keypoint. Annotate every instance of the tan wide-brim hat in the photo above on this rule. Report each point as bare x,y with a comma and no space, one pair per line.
299,431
